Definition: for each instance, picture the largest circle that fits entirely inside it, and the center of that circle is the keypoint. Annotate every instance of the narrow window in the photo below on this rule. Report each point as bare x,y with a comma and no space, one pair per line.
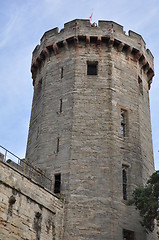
57,184
140,85
92,68
61,72
61,105
128,235
123,122
124,178
58,144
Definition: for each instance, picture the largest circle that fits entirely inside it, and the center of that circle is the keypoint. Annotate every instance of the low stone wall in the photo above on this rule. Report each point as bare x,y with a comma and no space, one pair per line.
25,167
27,211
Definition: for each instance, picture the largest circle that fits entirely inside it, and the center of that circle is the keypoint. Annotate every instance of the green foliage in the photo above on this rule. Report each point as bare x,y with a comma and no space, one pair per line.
145,199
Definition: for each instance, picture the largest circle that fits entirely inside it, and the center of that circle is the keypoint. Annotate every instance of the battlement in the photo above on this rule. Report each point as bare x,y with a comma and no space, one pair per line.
108,32
101,29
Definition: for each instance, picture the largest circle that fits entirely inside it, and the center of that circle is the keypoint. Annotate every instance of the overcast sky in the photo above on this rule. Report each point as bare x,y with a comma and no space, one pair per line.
22,24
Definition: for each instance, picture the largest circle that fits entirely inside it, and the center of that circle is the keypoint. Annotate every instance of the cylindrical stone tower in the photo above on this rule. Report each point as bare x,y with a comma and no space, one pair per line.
90,125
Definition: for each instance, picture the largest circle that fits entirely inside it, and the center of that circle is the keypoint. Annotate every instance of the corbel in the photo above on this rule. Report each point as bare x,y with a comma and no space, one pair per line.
76,40
120,47
46,52
99,39
150,73
65,44
111,41
129,50
88,39
55,48
138,55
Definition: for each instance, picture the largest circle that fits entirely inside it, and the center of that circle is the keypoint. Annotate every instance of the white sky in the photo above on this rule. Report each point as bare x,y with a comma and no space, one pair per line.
22,24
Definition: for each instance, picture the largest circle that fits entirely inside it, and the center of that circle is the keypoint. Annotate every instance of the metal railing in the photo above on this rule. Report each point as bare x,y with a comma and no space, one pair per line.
25,167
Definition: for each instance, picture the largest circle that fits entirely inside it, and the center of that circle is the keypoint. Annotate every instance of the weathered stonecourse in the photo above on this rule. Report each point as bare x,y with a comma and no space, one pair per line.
27,210
90,125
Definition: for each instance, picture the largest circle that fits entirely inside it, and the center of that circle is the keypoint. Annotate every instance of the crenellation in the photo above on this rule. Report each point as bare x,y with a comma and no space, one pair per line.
138,37
49,34
105,30
76,24
35,50
110,26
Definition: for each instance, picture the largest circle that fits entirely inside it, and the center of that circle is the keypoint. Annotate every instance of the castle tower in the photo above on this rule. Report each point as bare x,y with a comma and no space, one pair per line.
90,125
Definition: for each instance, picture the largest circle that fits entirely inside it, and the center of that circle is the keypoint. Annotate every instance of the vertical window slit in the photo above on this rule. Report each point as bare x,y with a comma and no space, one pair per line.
57,183
124,176
61,72
123,123
58,144
61,105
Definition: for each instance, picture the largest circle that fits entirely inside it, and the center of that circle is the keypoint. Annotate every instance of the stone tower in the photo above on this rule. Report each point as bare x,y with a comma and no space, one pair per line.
90,125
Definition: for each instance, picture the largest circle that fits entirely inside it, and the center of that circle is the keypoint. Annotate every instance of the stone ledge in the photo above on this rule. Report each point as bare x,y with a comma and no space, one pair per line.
16,180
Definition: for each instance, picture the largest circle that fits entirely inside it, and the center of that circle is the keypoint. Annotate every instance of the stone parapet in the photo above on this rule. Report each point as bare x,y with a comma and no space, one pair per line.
27,211
107,32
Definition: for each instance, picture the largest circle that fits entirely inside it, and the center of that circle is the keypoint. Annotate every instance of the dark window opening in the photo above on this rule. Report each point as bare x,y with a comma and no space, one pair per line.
128,235
57,184
124,176
140,85
61,105
58,144
61,72
92,68
123,123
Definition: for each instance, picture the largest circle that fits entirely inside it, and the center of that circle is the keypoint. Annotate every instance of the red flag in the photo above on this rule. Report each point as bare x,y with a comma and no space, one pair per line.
91,17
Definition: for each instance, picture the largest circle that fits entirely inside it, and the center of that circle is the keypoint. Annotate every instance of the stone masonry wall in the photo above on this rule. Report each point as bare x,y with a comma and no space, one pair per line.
98,149
27,211
81,138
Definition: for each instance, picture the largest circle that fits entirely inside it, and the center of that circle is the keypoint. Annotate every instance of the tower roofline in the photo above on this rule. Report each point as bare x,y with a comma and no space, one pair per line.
105,31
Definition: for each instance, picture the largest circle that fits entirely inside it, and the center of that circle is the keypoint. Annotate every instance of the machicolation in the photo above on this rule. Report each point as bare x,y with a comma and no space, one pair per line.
106,32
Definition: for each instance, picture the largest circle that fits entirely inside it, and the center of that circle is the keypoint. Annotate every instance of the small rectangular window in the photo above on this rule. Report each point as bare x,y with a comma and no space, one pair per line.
128,235
57,184
92,68
123,122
